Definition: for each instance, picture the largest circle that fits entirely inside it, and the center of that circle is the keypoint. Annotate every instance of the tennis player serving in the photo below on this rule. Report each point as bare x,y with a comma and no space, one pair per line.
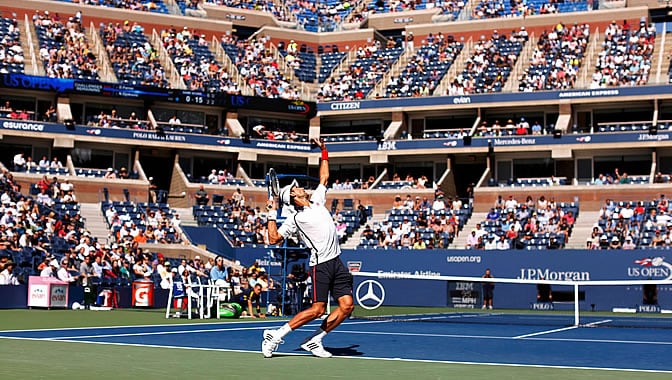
314,225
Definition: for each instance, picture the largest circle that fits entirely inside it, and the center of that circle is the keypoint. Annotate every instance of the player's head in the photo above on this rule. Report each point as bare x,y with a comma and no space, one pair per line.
287,193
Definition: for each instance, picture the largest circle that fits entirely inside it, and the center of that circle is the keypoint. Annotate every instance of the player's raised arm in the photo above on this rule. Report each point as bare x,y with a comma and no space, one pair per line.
272,226
324,164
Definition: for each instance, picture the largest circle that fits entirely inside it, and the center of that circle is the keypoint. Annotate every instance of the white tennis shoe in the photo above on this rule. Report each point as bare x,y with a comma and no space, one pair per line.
315,347
270,343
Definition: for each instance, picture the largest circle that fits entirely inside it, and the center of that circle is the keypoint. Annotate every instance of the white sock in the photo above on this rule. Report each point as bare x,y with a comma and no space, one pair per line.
318,335
284,330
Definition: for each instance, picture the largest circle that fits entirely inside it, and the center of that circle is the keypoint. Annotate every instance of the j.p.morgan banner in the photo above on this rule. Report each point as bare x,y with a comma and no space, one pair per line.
568,265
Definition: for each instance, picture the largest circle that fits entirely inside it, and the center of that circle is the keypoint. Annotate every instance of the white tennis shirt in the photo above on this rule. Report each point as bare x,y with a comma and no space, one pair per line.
315,227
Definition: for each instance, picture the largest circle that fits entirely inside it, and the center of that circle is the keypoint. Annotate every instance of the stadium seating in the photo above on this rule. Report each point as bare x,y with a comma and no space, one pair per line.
500,8
626,57
329,61
304,63
267,6
452,8
425,69
644,222
557,59
355,83
134,59
11,52
401,228
49,171
257,66
222,216
386,185
196,64
123,217
536,225
490,64
61,47
154,6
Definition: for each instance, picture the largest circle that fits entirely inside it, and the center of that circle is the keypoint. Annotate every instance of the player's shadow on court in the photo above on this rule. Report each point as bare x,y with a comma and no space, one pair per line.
340,351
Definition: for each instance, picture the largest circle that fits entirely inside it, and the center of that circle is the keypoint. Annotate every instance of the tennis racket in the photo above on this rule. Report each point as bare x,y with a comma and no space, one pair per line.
273,184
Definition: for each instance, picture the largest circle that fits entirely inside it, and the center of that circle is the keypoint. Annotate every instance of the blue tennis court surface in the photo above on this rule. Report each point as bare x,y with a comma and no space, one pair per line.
638,349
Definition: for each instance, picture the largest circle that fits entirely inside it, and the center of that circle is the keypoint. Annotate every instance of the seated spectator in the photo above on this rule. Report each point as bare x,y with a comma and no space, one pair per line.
218,273
201,196
55,163
123,173
7,276
66,186
238,198
19,162
44,198
503,243
212,178
141,269
110,174
628,244
553,243
50,115
63,272
69,197
50,269
174,120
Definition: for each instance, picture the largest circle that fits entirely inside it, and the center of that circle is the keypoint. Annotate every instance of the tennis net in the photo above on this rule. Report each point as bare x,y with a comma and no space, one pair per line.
455,299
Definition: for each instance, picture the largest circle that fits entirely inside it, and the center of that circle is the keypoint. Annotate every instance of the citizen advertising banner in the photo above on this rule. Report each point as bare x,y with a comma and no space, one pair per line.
350,105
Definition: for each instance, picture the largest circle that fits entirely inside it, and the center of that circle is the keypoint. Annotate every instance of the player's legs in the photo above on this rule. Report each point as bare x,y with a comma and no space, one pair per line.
316,310
321,285
338,315
341,289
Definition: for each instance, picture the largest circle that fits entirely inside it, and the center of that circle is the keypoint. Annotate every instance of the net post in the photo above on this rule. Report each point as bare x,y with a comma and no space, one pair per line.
576,304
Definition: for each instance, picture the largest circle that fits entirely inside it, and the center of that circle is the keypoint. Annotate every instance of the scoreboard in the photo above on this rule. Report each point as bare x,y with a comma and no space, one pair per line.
150,93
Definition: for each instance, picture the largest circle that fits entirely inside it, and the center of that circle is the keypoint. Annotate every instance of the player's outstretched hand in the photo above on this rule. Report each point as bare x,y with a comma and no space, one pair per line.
320,143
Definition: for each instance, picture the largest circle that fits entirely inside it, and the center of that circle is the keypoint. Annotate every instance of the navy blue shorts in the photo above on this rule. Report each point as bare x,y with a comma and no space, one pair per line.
331,276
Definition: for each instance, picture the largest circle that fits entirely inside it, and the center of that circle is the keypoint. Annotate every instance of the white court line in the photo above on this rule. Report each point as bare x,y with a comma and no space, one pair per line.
545,332
593,324
577,340
64,338
340,331
155,325
491,364
181,331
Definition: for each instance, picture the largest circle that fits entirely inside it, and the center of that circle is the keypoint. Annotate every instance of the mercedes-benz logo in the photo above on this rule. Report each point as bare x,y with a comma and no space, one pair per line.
370,290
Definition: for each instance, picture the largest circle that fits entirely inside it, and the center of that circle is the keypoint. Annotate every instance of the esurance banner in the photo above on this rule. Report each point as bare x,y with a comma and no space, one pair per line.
663,137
